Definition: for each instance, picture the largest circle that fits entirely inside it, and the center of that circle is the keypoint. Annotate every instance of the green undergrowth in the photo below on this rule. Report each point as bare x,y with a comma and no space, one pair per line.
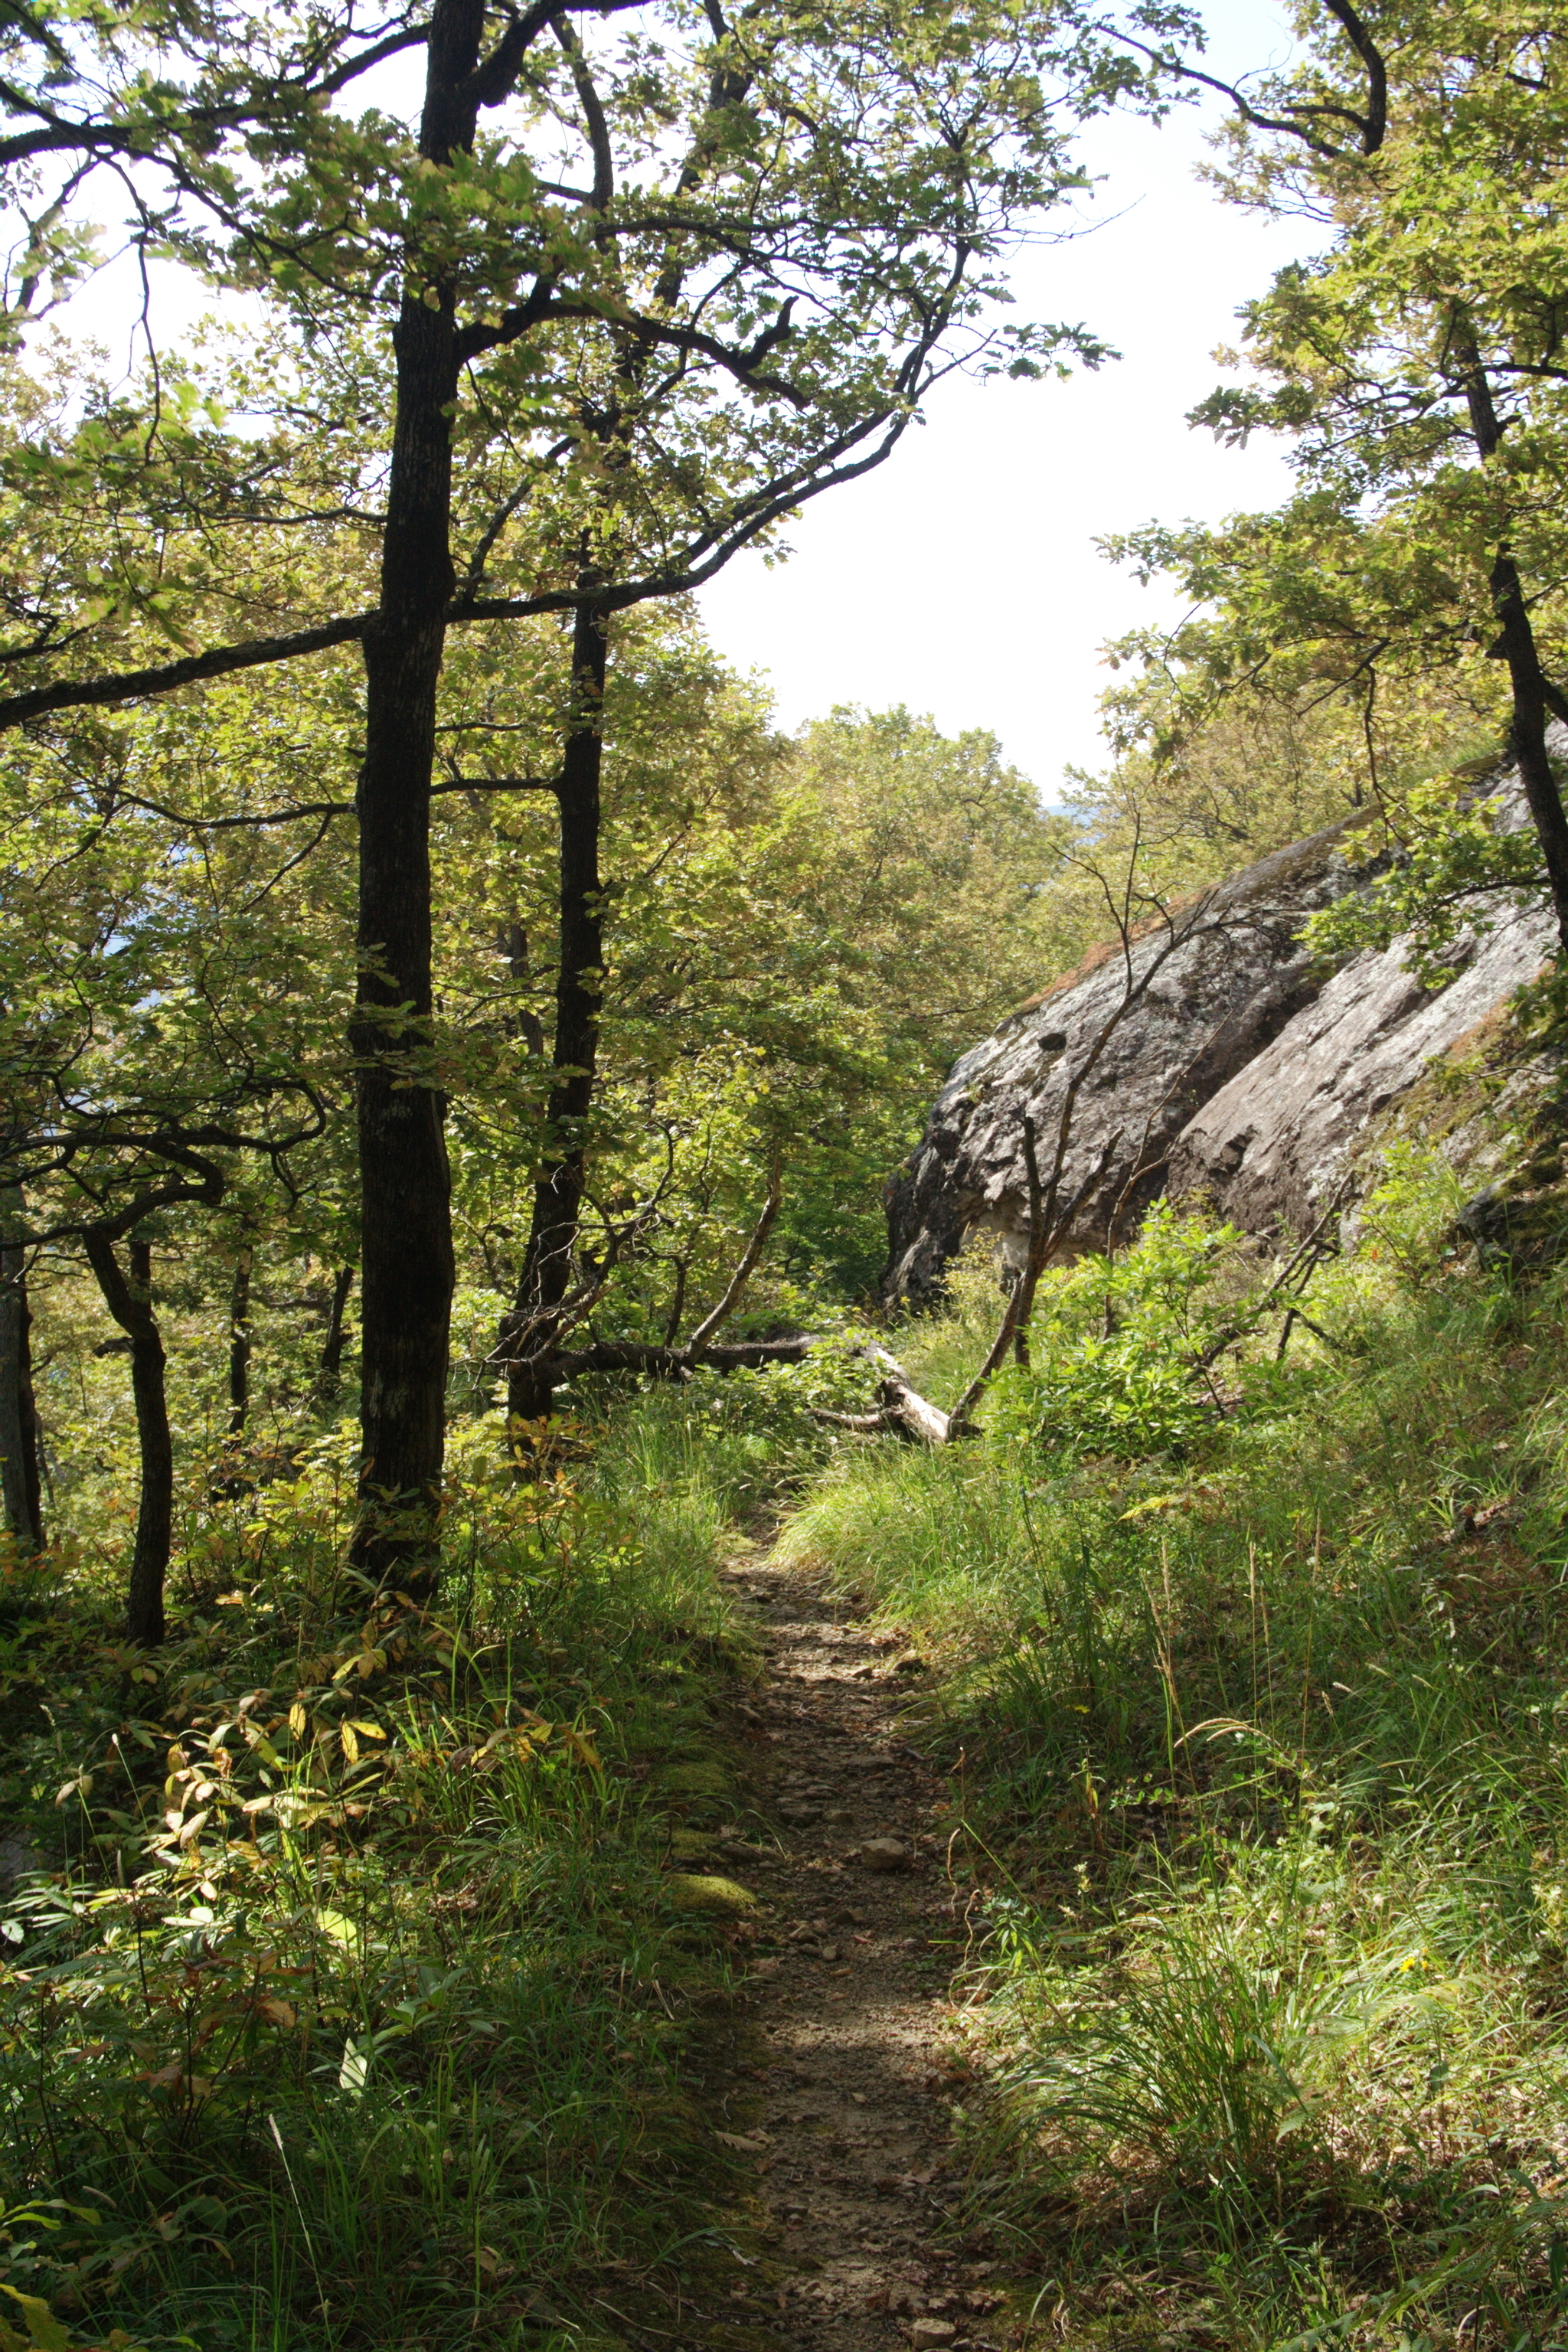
346,1984
1259,1664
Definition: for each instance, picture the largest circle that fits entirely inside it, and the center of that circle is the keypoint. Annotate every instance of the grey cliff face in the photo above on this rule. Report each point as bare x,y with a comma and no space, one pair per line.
1239,1072
1271,1147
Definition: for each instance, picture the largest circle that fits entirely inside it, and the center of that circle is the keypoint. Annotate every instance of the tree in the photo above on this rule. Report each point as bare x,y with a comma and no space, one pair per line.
698,273
801,932
799,937
20,1482
1420,363
167,1027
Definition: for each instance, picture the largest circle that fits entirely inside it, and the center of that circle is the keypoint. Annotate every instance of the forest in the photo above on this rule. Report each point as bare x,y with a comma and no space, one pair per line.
578,1773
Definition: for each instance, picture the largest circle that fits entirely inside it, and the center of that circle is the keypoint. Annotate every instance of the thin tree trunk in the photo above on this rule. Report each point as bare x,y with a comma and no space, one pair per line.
579,989
19,1480
677,1302
1528,732
1532,696
522,1021
32,1429
128,1295
329,1371
239,1337
407,1272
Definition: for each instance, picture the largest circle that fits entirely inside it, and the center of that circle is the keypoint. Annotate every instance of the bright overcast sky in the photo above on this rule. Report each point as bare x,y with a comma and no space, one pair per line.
963,578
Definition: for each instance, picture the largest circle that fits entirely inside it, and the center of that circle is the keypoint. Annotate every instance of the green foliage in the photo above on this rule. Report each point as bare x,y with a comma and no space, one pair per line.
1262,1737
621,395
353,2003
1455,869
1118,1347
1414,361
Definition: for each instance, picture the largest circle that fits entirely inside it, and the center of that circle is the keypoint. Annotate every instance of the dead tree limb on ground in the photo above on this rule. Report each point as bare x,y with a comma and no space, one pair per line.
549,1366
1149,932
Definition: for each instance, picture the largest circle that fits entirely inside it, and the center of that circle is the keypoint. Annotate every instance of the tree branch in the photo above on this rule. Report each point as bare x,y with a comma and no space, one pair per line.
303,809
1298,117
705,557
744,1272
167,677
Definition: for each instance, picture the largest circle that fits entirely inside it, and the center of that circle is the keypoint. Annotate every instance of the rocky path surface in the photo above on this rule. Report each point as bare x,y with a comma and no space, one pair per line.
844,2084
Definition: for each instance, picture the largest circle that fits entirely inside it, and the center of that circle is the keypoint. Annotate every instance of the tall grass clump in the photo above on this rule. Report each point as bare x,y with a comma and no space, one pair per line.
1256,1644
341,2004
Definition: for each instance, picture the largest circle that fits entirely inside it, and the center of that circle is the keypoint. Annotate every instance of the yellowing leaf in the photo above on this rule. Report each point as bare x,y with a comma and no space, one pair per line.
43,2328
581,1748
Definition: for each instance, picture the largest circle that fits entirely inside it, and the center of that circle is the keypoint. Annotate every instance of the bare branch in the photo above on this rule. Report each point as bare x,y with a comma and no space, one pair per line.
744,1272
166,677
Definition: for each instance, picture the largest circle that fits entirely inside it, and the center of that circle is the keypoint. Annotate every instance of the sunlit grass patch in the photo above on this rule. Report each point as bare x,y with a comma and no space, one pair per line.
1261,1707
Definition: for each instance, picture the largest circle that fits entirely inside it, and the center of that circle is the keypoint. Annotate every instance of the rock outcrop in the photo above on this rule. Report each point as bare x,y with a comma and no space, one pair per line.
1271,1146
1239,1071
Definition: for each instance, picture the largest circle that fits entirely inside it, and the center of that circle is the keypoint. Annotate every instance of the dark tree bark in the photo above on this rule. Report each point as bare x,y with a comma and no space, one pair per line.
1527,732
522,1021
1533,697
20,1484
128,1295
407,1272
239,1337
329,1371
579,992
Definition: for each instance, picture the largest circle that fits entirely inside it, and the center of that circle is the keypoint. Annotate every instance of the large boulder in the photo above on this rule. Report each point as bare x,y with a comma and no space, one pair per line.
1277,1143
1240,1071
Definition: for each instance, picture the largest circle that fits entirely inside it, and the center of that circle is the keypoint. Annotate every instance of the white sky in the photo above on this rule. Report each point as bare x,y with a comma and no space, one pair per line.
962,579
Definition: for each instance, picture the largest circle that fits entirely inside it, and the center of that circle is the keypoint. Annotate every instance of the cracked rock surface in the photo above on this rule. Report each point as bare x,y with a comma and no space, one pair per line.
1244,1075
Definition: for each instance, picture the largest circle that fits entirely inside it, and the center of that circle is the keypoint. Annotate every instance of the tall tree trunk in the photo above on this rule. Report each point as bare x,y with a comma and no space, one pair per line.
20,1490
128,1295
329,1371
1528,732
579,992
406,1275
239,1337
1516,645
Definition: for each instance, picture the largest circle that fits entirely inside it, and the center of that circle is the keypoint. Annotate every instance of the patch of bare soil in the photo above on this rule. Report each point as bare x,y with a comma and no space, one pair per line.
839,2086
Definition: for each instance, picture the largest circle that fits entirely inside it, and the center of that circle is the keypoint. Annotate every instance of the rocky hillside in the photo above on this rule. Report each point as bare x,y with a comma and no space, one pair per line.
1234,1069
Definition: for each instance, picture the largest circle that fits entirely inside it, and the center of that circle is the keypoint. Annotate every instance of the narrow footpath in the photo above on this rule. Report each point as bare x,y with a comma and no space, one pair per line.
843,2079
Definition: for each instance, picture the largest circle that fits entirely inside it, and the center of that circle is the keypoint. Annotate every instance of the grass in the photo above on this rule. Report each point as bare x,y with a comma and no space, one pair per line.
349,2006
1262,1707
355,2003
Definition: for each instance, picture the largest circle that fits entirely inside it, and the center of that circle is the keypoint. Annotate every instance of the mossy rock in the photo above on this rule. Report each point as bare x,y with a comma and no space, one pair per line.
690,1890
700,1777
1516,1228
689,1845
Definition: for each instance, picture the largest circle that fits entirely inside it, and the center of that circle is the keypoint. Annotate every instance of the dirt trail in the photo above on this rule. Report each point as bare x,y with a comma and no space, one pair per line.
846,2075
